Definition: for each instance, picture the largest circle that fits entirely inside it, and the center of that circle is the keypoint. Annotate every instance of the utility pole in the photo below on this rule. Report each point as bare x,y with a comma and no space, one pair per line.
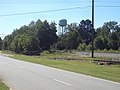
62,31
92,28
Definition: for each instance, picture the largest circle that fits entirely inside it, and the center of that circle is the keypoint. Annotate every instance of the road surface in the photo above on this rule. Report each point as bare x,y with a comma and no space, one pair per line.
20,75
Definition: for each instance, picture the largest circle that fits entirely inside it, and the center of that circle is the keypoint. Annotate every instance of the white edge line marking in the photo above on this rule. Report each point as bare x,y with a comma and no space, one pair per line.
62,82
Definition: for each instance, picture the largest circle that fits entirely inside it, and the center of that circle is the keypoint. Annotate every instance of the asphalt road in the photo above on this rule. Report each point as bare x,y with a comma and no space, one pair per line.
20,75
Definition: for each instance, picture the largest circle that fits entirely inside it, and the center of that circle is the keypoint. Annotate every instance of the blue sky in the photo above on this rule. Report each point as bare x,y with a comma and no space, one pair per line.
102,14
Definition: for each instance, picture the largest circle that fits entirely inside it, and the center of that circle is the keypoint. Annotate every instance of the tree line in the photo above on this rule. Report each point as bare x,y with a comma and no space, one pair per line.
79,36
35,37
41,35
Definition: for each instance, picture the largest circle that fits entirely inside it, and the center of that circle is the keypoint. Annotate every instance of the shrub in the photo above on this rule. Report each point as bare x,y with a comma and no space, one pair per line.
89,47
82,47
45,52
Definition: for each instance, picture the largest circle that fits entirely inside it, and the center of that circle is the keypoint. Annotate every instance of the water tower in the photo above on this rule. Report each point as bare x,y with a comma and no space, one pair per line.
62,23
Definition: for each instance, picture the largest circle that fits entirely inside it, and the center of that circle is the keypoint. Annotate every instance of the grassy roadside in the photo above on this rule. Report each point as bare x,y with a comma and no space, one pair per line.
3,86
86,66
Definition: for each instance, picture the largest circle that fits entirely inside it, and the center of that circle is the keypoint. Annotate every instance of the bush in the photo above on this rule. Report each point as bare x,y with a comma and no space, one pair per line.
89,47
82,47
45,52
60,46
105,50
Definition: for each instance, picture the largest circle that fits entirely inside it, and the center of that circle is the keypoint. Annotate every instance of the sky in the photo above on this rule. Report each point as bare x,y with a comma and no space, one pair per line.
13,12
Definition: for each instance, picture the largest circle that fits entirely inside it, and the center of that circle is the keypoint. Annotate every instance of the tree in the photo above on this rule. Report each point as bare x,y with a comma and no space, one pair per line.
101,43
108,36
82,47
72,27
107,28
24,44
85,28
46,35
39,35
114,41
6,42
70,40
77,34
34,37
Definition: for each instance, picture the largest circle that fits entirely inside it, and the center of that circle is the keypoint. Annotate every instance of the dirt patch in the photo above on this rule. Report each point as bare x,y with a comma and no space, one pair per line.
7,55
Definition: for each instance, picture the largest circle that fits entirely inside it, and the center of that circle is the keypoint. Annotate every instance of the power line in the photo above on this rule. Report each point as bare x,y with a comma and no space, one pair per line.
107,6
43,2
64,9
107,1
55,10
59,2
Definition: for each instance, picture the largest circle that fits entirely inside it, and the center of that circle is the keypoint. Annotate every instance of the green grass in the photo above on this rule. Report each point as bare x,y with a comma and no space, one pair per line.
86,66
3,86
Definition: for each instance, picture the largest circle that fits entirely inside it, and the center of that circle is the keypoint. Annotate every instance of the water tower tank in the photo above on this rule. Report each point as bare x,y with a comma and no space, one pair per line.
63,22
